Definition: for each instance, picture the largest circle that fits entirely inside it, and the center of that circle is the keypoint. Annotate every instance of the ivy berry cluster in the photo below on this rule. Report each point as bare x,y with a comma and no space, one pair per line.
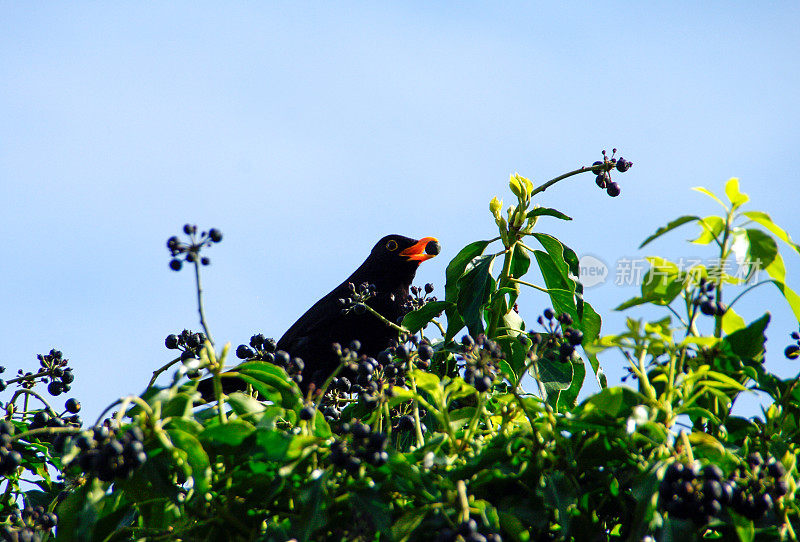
109,455
468,532
367,447
10,459
560,337
793,350
357,299
481,358
54,370
701,495
602,168
28,524
419,297
705,299
188,342
190,251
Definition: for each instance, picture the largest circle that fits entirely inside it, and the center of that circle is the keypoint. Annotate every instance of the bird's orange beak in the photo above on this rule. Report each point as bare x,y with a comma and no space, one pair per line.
424,249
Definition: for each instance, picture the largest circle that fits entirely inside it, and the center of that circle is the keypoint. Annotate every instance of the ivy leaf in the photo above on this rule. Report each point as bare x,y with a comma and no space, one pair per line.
748,343
455,270
732,191
547,211
669,227
710,194
712,226
765,220
416,320
474,288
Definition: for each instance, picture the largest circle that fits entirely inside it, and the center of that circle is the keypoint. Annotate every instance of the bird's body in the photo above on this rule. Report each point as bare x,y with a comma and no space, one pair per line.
311,336
390,268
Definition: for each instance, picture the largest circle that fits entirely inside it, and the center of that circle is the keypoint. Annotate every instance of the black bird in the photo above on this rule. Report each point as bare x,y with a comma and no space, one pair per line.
390,267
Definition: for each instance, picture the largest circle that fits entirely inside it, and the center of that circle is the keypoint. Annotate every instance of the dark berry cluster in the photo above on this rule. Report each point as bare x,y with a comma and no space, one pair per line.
190,251
10,459
481,357
468,532
54,371
602,168
419,297
758,485
28,524
560,339
793,350
704,298
188,342
690,493
107,454
701,495
43,419
264,349
357,298
366,447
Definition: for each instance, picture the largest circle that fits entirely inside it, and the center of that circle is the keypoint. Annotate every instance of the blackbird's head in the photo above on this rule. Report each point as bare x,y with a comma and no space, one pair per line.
395,258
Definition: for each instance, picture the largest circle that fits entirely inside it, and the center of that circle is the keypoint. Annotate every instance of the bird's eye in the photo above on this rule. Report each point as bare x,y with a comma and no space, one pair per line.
391,245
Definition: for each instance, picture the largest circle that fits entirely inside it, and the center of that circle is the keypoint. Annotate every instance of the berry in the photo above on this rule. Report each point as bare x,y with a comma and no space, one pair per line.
792,351
719,308
425,352
612,189
708,308
215,235
172,342
173,243
205,261
428,288
175,264
596,167
306,413
623,165
72,406
795,335
245,352
55,388
601,180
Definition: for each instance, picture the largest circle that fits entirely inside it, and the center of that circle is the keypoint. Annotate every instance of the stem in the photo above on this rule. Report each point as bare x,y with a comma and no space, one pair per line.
735,299
160,370
723,255
529,284
501,282
463,499
382,318
553,181
199,287
415,403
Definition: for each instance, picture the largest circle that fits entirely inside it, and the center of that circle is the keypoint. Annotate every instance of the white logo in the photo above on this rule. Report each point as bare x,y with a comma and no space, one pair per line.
593,271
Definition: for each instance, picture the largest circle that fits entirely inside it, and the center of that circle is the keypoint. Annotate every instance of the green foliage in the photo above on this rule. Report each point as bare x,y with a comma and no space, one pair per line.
450,446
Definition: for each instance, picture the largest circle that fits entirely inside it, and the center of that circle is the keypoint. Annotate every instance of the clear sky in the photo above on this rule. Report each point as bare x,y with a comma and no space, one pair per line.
305,131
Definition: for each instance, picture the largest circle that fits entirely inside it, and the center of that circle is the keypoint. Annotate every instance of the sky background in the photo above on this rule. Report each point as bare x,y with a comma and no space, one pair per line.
307,131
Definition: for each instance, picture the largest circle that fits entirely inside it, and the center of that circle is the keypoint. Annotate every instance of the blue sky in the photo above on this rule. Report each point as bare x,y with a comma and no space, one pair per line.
306,131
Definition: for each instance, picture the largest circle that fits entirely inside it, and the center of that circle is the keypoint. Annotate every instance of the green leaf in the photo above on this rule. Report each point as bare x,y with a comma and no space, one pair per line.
748,343
663,281
732,191
547,211
520,262
564,257
568,397
777,271
474,288
671,226
405,526
711,226
765,220
196,457
429,383
745,529
708,193
762,250
613,402
455,270
732,322
232,433
551,274
554,375
416,320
